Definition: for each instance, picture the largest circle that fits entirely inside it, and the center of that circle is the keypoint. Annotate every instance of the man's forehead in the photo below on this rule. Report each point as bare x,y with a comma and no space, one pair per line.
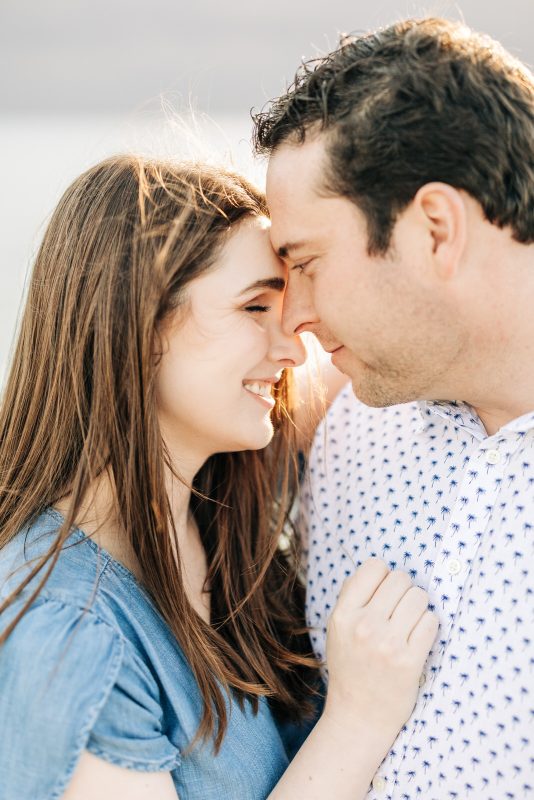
296,166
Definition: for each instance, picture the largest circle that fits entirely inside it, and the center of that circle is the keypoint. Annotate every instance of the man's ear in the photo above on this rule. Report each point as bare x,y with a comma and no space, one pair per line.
441,209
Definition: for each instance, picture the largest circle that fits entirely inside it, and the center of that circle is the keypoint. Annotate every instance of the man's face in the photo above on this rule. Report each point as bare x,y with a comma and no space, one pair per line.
384,316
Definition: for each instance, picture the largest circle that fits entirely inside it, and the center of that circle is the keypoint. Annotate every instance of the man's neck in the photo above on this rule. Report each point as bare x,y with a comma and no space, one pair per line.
502,391
495,419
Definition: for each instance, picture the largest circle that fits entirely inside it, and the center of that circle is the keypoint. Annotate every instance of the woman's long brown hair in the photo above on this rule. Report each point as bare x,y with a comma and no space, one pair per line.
124,242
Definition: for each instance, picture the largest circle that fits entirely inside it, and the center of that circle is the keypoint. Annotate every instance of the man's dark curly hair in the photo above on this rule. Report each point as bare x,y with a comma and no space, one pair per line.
422,100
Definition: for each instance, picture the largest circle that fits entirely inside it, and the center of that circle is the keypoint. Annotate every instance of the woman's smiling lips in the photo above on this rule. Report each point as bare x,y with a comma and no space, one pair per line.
261,389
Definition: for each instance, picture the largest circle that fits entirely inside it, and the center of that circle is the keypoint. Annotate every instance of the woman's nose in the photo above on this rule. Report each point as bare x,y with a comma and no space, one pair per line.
287,350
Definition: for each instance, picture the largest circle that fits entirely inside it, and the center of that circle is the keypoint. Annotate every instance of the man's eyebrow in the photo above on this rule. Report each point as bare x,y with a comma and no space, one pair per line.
277,284
286,249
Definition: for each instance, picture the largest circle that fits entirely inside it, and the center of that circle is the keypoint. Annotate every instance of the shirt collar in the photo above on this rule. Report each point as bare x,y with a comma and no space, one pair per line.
463,416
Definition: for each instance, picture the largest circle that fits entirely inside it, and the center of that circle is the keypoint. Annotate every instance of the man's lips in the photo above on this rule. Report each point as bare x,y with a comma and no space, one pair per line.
334,355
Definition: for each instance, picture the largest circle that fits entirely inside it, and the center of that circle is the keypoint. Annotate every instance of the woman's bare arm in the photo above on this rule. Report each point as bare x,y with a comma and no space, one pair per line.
96,778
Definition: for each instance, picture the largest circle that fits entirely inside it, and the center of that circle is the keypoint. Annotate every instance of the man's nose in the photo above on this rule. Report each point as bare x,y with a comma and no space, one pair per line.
298,311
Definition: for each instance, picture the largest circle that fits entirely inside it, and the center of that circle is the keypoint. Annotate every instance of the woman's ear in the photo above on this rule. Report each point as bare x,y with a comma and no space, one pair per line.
441,209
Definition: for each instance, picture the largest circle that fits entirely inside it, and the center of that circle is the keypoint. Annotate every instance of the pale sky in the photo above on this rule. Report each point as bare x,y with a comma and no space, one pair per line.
79,78
107,56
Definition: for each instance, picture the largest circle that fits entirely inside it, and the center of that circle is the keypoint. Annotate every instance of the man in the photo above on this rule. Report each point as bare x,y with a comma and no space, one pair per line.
401,188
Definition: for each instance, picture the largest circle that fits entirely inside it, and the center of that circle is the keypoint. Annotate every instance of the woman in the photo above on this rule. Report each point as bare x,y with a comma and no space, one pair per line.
152,627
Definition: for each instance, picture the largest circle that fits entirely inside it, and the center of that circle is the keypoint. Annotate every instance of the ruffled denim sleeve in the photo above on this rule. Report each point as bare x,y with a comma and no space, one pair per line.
70,681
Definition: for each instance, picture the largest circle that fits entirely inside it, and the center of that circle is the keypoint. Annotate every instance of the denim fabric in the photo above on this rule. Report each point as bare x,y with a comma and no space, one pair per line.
92,665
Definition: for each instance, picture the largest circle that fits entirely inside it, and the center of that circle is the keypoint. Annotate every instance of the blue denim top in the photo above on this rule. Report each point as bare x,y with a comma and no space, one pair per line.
93,665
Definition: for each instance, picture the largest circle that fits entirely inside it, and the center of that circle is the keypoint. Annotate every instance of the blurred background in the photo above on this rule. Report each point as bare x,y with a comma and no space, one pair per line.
81,79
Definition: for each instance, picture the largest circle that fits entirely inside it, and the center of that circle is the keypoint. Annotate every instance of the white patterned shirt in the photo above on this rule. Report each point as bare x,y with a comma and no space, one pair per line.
425,488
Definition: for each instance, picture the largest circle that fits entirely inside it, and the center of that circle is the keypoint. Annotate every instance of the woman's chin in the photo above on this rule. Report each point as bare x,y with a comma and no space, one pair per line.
257,440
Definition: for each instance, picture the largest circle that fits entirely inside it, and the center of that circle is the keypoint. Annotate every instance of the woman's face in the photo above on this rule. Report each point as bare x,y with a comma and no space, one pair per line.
221,361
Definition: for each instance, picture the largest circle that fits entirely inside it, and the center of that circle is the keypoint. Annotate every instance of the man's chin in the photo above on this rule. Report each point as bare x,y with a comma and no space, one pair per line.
372,386
377,394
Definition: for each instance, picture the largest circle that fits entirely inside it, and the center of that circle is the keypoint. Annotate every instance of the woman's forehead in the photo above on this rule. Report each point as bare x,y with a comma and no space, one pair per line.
246,258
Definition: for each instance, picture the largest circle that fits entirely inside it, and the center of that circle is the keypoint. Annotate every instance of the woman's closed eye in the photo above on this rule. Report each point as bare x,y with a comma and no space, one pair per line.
257,308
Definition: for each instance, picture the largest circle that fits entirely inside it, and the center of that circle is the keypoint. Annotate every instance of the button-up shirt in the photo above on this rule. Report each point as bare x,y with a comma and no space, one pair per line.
424,487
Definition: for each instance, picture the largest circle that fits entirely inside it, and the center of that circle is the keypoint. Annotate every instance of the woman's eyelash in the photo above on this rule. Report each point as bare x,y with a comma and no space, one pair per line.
257,308
300,267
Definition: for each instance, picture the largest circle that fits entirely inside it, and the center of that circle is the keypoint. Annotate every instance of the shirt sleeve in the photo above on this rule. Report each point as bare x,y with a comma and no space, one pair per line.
69,681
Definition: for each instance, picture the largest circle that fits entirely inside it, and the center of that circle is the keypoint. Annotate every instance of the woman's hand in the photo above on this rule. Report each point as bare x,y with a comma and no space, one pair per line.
378,639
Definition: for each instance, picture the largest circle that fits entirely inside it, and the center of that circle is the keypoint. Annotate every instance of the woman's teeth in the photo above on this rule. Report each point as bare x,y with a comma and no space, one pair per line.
263,389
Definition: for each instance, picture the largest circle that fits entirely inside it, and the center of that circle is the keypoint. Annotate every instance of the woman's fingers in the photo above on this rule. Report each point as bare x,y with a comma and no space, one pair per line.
379,603
389,594
422,636
359,588
409,611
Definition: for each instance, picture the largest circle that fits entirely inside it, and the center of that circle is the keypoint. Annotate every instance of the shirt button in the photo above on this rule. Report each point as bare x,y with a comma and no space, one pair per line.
422,679
493,456
454,566
379,784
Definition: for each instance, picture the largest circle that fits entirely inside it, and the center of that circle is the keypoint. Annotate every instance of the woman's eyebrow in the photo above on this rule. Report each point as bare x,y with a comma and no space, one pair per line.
278,284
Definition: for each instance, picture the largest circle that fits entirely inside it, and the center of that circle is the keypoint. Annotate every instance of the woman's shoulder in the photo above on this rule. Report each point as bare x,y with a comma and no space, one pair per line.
90,606
76,577
84,575
64,623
